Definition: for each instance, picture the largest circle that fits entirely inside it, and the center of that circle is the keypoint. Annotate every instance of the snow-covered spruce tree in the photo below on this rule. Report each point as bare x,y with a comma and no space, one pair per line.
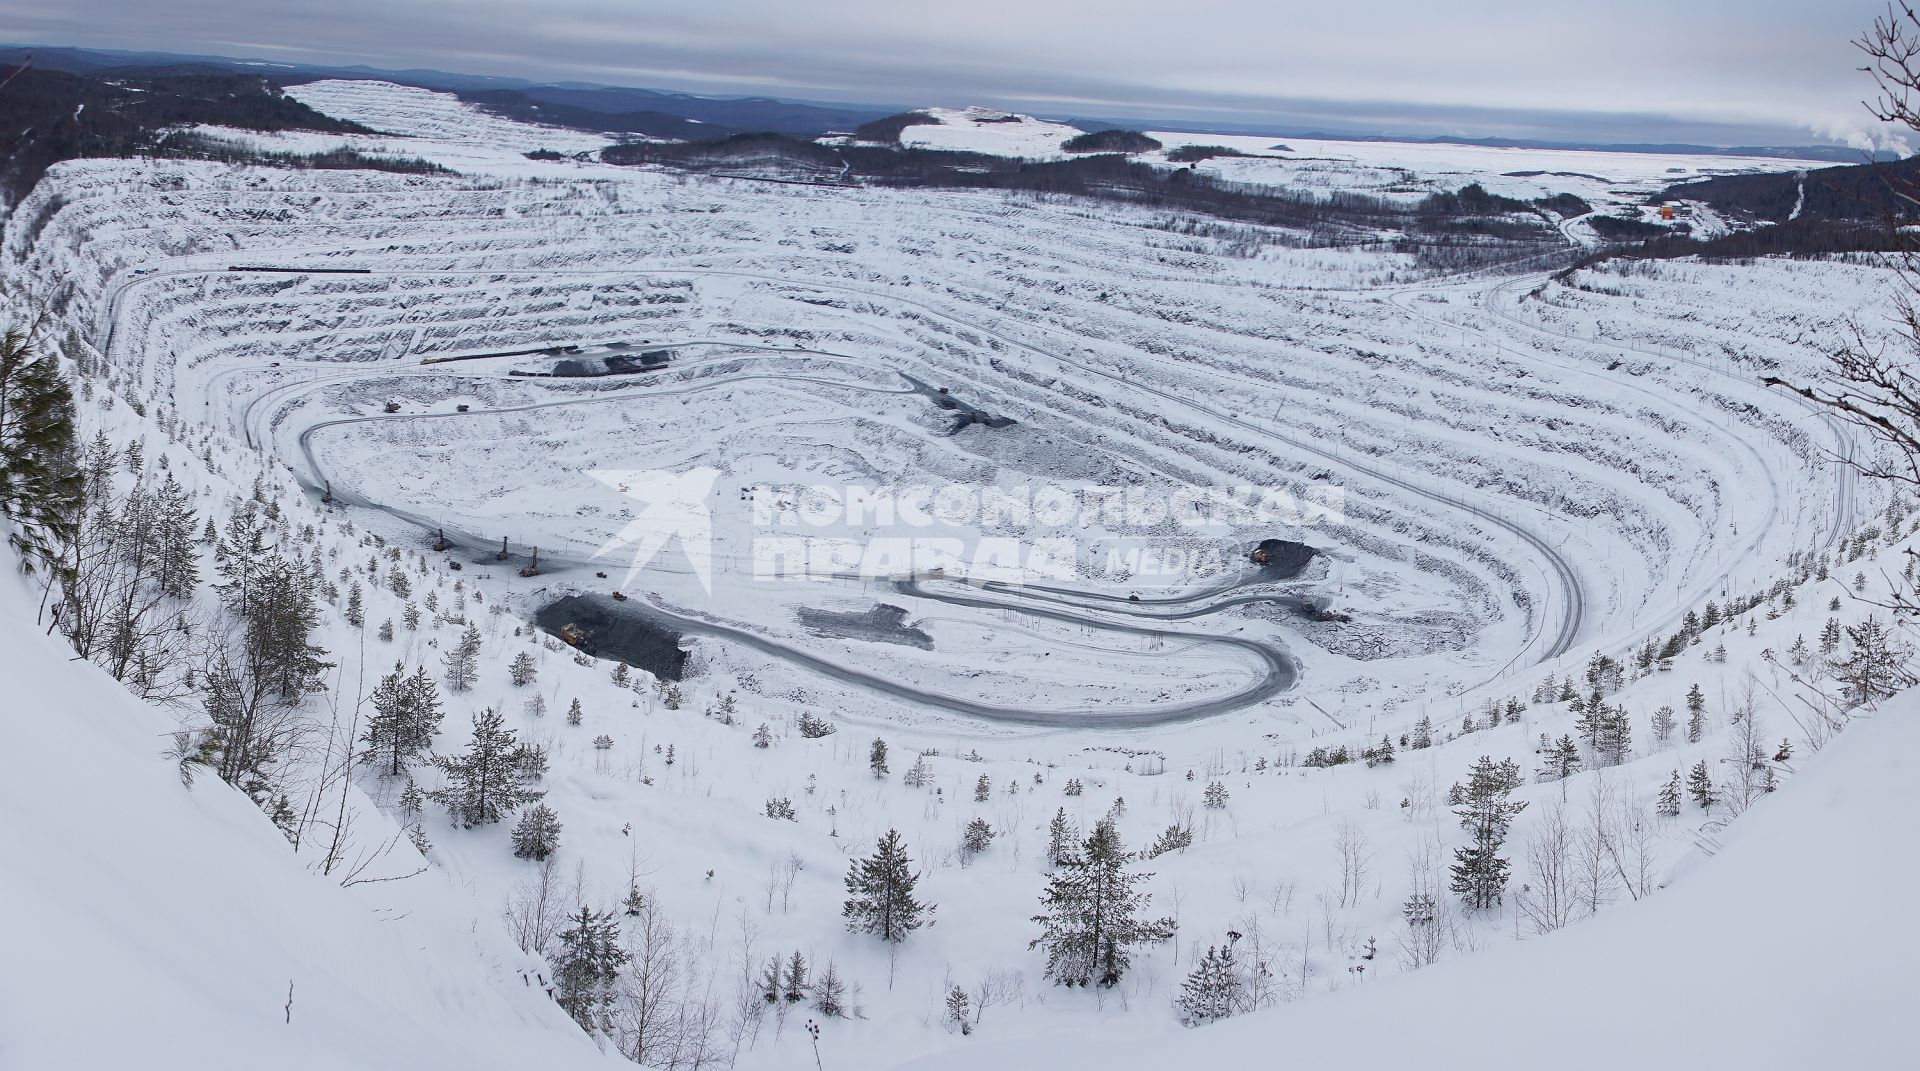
1091,914
537,834
1174,838
406,716
1212,988
919,775
1664,725
1062,838
240,557
1422,735
813,728
1215,796
1668,803
1696,708
959,1011
1560,761
877,757
1875,666
794,983
522,671
1700,786
1613,741
1479,873
40,482
880,892
830,992
177,570
463,660
586,968
282,613
977,838
487,783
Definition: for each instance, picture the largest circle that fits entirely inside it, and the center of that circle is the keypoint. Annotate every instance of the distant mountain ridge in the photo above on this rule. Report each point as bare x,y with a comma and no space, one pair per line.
669,114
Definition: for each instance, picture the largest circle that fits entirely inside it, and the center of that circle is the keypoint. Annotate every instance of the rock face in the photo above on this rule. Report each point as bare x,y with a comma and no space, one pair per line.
1284,557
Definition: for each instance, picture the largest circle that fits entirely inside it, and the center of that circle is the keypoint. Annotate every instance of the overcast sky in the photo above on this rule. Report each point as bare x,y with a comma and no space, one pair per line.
1721,71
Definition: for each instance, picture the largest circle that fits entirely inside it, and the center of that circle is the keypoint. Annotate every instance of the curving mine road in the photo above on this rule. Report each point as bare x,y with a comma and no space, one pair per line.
1566,604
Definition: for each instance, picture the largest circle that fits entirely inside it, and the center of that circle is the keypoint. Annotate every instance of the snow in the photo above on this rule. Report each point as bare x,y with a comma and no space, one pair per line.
985,130
1784,950
155,925
1612,182
1489,429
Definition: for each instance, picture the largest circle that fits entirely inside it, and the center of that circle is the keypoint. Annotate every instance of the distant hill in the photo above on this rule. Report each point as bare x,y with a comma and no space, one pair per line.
54,115
640,109
585,106
1858,192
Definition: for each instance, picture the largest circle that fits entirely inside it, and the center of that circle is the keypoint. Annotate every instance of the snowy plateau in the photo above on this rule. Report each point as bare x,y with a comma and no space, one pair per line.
1569,511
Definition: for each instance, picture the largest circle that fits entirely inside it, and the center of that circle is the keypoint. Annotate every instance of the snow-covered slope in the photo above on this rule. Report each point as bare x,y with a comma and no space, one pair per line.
1616,182
158,926
1613,414
988,131
1786,949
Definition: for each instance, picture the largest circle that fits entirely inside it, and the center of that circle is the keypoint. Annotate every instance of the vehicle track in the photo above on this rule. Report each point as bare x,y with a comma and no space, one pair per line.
1559,572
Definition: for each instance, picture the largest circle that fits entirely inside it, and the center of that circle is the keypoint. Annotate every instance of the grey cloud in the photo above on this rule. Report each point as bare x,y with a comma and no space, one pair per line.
1712,70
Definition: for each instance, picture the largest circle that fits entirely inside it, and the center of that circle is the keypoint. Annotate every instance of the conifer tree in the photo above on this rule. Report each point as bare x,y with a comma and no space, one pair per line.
1062,838
1381,754
919,775
1091,912
178,565
586,968
1422,736
977,837
1613,742
1172,839
463,660
1212,988
241,557
486,783
830,992
537,834
41,486
1875,667
1664,725
959,1011
880,892
522,671
281,614
1668,805
1561,761
406,716
1700,786
793,980
877,757
1479,873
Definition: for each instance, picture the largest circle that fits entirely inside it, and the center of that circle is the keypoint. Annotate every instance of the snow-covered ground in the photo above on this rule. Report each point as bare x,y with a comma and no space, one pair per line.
1617,183
1534,471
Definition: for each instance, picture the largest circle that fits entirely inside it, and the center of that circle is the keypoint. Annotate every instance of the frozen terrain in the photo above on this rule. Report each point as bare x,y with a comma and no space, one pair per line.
1537,470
